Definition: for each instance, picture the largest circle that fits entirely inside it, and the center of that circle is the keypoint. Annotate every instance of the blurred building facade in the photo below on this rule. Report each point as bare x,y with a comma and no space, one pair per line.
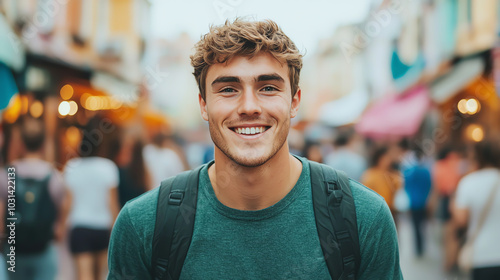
79,58
425,68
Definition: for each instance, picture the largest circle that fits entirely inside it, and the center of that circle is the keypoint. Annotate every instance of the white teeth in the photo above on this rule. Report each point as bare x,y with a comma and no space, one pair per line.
249,130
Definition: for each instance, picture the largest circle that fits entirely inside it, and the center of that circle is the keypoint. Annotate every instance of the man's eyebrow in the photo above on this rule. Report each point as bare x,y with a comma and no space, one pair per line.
270,77
226,79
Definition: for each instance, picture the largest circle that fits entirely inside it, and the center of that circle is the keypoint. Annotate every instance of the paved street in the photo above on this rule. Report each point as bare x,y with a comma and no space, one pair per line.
428,267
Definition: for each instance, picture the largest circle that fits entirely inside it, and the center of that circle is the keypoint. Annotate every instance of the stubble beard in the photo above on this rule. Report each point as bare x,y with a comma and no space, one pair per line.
241,160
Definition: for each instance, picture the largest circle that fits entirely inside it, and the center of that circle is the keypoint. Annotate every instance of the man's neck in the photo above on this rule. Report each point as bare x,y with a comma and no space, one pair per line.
254,188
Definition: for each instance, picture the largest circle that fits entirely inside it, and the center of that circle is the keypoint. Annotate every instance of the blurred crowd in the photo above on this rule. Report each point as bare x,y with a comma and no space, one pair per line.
75,204
457,185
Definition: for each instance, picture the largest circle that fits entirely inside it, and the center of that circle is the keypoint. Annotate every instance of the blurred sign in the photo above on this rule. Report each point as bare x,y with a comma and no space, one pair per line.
458,78
8,86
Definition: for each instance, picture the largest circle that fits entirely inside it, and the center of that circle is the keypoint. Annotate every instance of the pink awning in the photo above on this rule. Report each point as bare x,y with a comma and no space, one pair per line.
395,116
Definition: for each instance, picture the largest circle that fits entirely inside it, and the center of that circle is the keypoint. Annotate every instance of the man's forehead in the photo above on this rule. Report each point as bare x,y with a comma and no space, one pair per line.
247,67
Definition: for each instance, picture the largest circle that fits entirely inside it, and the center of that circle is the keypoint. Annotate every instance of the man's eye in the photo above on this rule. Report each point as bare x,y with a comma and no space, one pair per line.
228,90
269,88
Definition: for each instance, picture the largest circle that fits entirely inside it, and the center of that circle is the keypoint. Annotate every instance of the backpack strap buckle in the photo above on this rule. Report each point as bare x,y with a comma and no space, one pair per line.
175,198
333,189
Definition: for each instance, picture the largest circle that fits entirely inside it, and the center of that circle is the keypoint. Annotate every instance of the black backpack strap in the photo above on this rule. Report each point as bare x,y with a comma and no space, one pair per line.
174,226
335,214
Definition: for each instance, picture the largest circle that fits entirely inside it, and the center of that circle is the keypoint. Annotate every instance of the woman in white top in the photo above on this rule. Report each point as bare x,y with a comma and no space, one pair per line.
471,198
93,181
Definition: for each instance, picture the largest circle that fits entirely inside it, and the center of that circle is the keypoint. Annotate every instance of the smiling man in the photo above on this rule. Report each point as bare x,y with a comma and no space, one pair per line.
255,211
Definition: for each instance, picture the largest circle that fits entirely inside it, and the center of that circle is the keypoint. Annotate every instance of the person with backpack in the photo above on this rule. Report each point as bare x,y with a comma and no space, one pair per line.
256,211
42,204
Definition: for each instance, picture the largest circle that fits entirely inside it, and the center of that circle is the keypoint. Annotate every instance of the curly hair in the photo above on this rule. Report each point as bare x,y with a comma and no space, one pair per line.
245,38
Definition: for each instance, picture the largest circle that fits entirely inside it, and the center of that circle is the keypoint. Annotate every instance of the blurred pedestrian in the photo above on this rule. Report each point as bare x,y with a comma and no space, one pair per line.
312,151
345,157
134,177
446,174
93,181
477,207
161,161
382,177
41,206
417,182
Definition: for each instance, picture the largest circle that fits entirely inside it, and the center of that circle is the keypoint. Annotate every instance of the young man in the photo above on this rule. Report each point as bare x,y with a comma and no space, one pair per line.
254,211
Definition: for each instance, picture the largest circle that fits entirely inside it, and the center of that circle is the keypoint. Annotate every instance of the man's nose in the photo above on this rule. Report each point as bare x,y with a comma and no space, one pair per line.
249,103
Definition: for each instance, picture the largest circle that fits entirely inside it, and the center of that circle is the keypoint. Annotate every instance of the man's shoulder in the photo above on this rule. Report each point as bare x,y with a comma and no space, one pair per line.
365,199
145,203
140,212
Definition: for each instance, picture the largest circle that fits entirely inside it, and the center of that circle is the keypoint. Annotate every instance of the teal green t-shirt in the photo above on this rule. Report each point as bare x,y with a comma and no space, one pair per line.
278,242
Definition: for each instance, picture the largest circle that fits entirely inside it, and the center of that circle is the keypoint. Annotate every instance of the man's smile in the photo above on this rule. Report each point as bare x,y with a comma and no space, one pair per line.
250,131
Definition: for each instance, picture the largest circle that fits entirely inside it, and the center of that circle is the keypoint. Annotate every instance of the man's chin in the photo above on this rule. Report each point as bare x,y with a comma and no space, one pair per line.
250,161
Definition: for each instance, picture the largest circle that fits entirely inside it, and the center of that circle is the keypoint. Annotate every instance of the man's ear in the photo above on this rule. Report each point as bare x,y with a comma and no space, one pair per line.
203,107
295,103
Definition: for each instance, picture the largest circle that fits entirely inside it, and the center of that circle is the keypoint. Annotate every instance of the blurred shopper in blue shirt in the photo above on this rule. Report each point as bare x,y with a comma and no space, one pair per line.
417,180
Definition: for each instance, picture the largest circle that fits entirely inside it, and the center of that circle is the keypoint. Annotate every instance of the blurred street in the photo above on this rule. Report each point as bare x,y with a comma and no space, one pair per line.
430,266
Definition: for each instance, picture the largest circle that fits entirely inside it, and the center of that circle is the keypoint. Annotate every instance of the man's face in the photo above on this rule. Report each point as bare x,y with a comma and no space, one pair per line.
248,107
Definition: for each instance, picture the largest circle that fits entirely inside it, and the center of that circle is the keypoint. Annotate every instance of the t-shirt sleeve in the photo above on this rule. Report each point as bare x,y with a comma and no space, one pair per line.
379,248
126,256
114,175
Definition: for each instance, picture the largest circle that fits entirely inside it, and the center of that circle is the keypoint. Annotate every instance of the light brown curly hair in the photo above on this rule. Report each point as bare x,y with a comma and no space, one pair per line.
245,38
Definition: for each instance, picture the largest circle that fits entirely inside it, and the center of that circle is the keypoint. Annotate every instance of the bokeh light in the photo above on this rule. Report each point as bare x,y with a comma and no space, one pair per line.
64,108
462,106
73,136
475,132
66,92
469,106
73,108
472,106
36,109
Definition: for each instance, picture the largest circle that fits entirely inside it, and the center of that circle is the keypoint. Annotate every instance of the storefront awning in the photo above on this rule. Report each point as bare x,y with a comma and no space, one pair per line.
458,78
395,116
345,110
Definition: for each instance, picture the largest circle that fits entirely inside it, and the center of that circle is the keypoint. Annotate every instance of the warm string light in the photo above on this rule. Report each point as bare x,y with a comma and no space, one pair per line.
469,106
